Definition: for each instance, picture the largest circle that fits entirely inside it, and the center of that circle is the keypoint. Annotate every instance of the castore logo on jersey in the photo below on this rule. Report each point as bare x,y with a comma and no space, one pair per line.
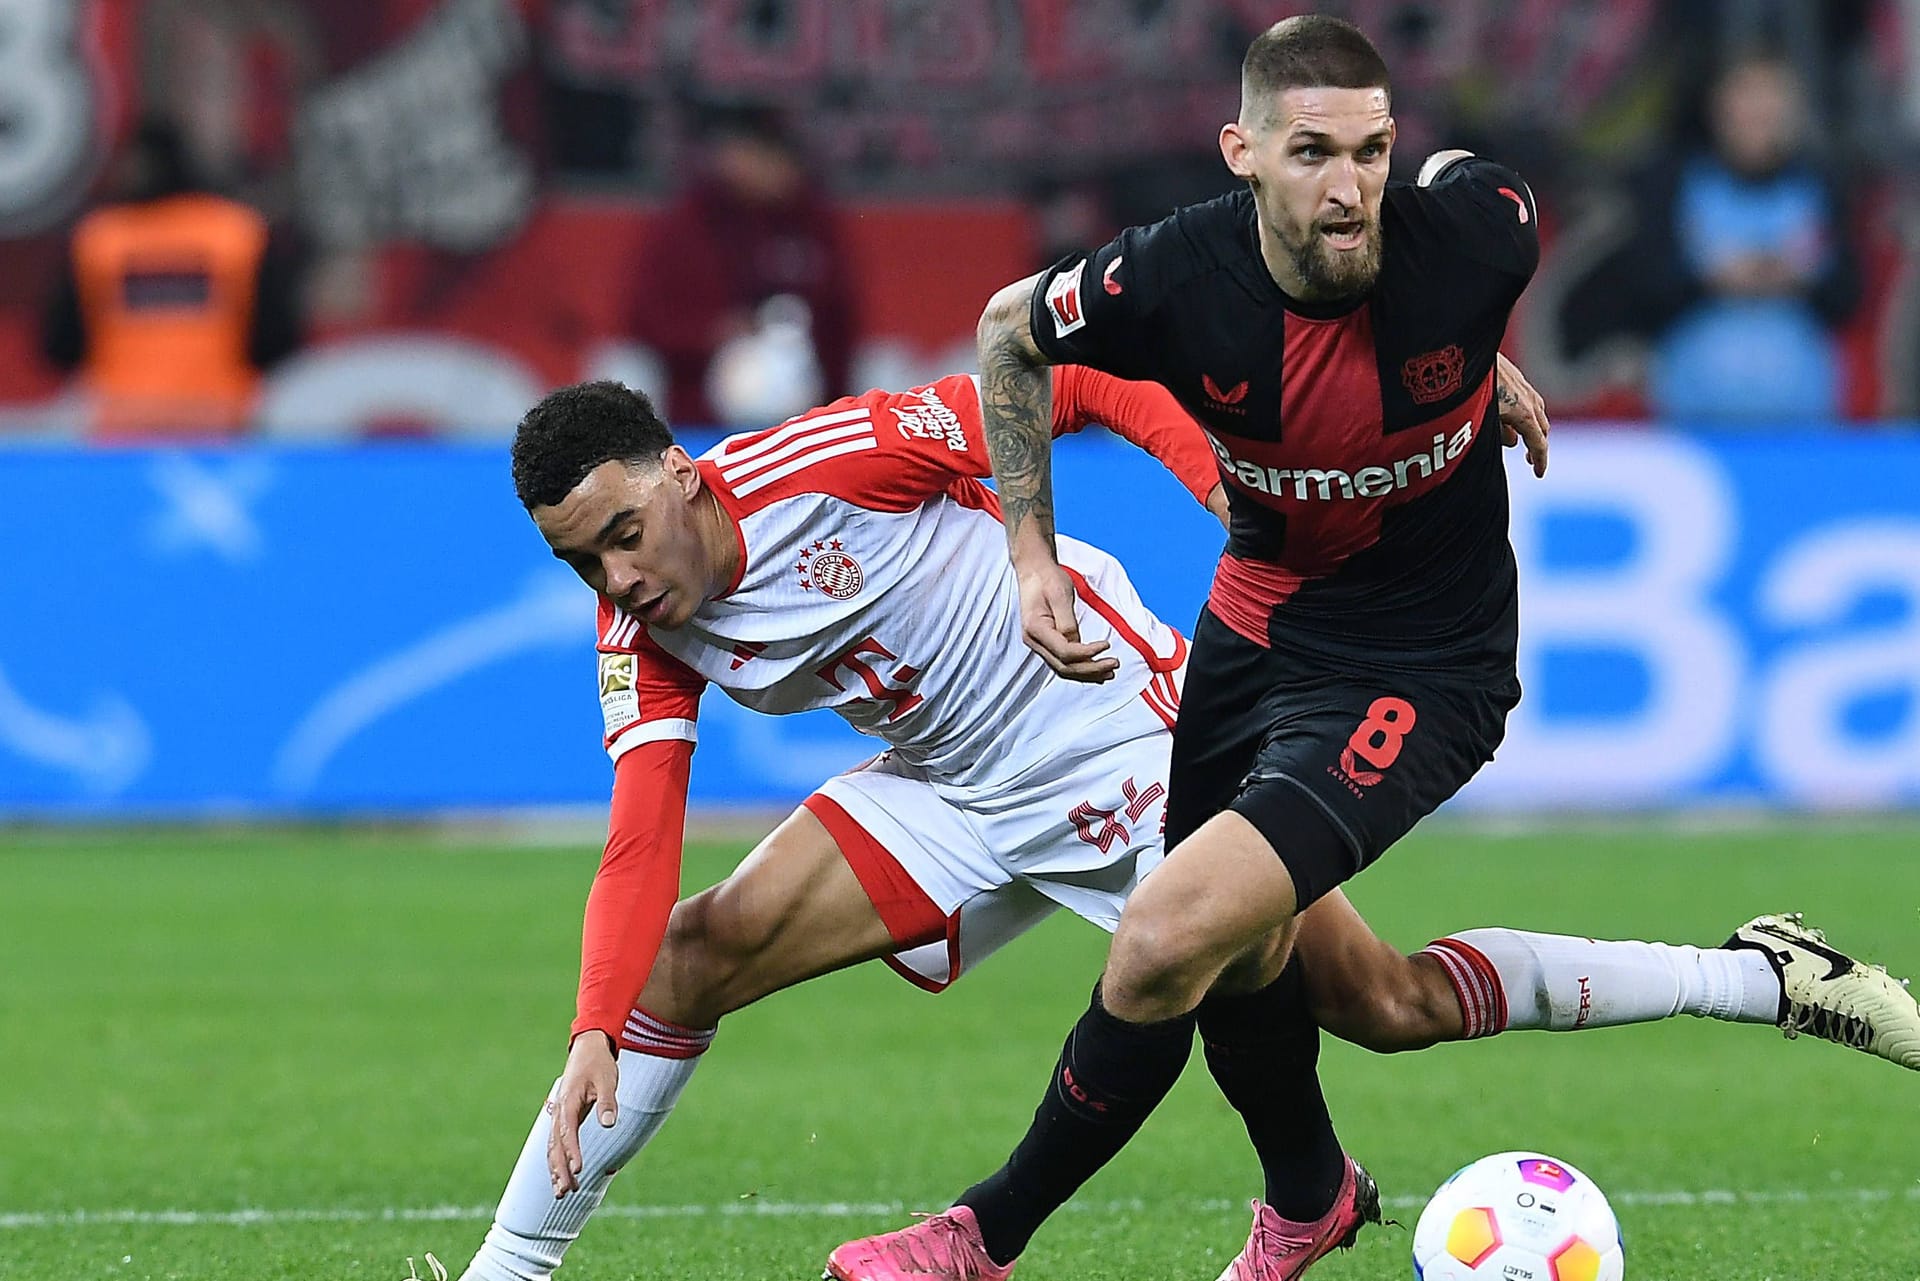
1228,399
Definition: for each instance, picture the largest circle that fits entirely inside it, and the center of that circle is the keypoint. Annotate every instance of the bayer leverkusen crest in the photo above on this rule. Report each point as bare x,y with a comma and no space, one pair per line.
1433,375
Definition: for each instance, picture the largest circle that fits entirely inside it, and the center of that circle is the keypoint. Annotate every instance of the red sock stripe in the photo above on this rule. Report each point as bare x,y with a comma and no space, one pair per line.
1490,977
645,1034
1463,989
1483,1002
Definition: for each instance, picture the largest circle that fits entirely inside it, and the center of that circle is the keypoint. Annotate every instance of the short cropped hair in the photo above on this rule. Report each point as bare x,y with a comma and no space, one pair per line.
576,429
1312,51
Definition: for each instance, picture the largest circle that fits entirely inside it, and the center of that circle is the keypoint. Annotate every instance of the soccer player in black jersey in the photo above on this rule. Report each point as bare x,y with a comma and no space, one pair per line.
1336,335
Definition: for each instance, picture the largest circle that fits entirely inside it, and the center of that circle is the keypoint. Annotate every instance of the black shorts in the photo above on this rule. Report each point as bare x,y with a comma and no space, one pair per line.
1330,767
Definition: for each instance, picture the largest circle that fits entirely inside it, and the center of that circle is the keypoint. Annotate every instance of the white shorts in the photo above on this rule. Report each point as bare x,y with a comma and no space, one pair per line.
955,873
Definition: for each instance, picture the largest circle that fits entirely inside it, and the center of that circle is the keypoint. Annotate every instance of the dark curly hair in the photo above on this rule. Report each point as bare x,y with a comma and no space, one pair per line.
574,430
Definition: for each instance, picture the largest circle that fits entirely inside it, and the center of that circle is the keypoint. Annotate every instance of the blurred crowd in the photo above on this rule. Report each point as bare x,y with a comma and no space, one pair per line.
1724,187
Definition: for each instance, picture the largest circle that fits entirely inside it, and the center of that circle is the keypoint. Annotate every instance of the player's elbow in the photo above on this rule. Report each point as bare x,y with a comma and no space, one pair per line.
1005,331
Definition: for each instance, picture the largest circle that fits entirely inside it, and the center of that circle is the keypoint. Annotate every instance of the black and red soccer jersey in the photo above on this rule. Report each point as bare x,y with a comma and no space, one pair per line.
1358,443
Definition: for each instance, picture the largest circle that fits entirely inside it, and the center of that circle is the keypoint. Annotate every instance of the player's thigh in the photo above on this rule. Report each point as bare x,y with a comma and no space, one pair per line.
793,909
1217,899
1349,765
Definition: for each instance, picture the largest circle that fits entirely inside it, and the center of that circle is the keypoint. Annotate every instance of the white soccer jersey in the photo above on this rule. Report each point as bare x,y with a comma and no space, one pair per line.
874,580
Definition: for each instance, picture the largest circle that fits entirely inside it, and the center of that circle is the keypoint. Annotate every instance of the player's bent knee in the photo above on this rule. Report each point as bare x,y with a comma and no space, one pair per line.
711,938
1158,967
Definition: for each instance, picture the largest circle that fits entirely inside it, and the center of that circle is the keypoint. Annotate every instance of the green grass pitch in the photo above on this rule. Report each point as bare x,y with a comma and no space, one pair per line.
348,1033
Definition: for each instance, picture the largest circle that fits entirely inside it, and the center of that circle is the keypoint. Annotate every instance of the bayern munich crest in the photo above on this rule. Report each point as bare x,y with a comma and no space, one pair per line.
825,567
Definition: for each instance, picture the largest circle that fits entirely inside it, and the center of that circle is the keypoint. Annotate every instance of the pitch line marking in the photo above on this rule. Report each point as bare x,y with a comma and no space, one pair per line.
754,1207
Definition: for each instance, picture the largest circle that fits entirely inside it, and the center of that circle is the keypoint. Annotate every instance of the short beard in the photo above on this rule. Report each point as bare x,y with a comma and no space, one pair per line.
1331,276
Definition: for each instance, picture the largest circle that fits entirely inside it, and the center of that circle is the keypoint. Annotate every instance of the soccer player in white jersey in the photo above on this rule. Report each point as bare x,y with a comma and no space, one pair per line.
851,558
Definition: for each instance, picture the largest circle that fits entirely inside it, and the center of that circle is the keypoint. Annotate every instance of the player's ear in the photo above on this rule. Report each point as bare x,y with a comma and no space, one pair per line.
684,472
1236,148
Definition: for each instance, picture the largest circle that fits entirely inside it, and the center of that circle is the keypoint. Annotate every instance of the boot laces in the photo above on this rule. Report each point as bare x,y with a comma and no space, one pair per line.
938,1242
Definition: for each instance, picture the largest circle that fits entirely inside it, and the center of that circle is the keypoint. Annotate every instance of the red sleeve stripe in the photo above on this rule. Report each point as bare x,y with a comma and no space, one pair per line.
801,464
621,630
799,440
739,449
1118,621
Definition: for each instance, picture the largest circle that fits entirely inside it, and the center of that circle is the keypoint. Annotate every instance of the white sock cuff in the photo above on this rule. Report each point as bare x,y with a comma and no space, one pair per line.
652,1082
649,1034
1483,999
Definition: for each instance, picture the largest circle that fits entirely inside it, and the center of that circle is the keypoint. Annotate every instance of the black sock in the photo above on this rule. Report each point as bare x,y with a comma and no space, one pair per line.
1111,1075
1264,1050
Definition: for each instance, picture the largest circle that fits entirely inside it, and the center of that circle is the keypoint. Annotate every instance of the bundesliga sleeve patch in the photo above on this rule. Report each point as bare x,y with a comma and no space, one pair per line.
619,701
1063,301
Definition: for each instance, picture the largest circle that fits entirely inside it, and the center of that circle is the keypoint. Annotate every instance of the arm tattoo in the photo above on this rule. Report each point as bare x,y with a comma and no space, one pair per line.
1016,408
1505,393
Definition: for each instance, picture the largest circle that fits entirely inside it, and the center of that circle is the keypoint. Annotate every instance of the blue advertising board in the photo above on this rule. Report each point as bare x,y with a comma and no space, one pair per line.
379,630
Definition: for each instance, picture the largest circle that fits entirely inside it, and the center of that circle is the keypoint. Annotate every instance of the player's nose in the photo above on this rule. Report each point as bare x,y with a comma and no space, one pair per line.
622,577
1343,185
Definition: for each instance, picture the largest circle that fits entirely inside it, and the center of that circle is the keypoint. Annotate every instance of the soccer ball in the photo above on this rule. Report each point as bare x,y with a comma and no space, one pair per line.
1518,1216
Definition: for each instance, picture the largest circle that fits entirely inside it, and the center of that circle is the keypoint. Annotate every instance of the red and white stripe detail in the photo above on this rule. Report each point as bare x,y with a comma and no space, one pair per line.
661,729
1162,694
1483,1000
795,447
645,1034
621,630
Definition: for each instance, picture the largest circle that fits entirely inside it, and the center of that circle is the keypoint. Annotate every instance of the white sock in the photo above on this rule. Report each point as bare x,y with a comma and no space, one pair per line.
1512,979
531,1230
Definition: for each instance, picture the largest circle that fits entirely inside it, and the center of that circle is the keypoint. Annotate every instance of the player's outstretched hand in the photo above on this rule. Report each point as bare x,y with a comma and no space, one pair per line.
592,1077
1523,412
1052,631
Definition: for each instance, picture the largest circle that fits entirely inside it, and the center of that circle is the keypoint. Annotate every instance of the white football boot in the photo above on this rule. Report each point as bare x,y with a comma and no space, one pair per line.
1828,994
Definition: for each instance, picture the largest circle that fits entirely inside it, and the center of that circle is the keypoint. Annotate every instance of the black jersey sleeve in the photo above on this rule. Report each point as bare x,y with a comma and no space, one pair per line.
1098,309
1485,211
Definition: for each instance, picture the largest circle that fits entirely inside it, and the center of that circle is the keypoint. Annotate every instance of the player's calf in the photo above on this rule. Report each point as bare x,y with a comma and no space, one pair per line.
1403,1003
1367,992
532,1228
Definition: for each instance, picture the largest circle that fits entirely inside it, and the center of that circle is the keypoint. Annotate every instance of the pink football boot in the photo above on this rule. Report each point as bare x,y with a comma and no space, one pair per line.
941,1247
1280,1250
